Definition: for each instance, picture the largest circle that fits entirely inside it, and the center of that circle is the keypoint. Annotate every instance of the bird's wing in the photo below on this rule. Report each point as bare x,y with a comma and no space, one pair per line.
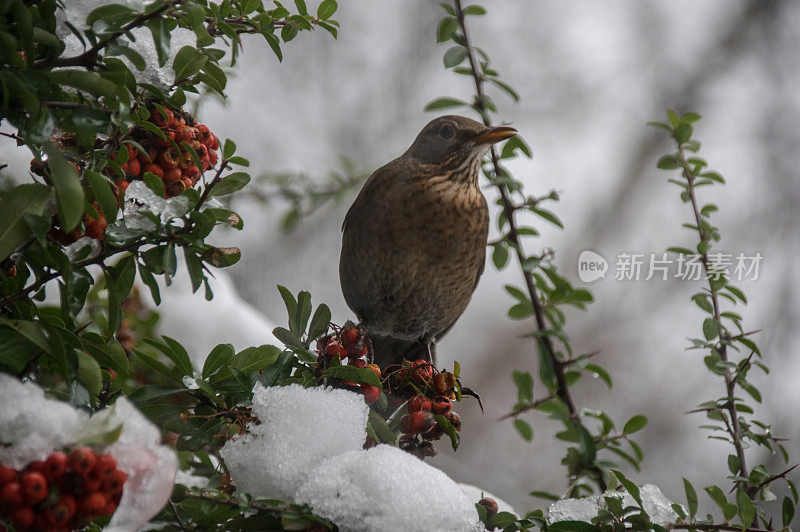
380,179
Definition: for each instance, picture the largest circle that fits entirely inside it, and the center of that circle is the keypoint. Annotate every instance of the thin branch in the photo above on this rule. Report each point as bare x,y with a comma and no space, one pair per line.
525,408
89,57
513,234
177,515
562,389
730,381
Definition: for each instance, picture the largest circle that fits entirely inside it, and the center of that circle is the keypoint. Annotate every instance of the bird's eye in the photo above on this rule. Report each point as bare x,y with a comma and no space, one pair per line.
446,132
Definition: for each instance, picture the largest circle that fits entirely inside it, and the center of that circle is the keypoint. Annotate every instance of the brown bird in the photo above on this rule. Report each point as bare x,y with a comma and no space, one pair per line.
414,240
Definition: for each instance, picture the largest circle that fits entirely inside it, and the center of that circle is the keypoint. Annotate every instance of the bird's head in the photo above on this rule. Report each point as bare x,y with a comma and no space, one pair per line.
455,142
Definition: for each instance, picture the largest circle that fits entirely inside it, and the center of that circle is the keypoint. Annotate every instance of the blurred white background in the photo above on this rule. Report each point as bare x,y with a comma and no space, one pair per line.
590,76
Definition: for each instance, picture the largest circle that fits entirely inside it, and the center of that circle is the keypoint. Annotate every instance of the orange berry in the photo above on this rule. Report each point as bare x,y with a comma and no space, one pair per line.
34,486
154,169
55,465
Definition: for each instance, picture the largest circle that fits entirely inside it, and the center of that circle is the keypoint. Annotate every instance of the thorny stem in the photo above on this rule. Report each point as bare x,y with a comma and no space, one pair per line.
562,389
513,233
730,381
177,515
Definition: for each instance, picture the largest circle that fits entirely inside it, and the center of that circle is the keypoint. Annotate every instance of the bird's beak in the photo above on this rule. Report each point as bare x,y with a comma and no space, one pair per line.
494,134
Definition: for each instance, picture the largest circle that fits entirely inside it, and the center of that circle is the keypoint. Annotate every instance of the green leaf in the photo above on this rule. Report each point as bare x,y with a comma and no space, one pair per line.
217,358
549,216
630,487
230,184
635,424
446,29
524,429
86,81
101,189
572,526
187,63
733,464
474,10
352,373
89,374
255,358
747,510
444,103
691,497
449,429
454,56
718,496
14,205
326,9
287,337
69,193
319,322
303,312
500,256
524,382
710,328
669,162
178,355
158,28
787,511
113,15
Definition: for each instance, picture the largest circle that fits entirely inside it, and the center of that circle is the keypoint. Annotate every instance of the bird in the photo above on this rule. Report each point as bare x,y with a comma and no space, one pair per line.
414,239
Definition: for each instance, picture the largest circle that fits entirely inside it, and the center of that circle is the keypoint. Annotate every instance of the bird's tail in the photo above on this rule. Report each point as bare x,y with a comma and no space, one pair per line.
389,350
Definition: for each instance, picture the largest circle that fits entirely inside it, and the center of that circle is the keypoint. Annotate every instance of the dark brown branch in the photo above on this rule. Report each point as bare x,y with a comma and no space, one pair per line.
730,382
525,408
89,57
513,234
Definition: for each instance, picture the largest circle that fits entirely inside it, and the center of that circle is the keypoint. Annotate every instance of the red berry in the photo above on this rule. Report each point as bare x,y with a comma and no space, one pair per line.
203,133
172,175
175,188
133,167
63,510
418,402
360,364
154,169
421,371
349,336
191,171
22,517
95,230
111,507
160,120
55,465
123,185
441,405
105,465
91,481
11,494
417,422
115,482
34,486
93,504
214,143
7,474
81,460
371,393
212,158
335,348
36,465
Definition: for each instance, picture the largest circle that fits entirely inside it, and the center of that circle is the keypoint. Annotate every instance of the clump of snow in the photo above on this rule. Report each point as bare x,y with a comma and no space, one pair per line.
299,427
142,40
139,199
386,489
77,250
475,494
34,426
657,506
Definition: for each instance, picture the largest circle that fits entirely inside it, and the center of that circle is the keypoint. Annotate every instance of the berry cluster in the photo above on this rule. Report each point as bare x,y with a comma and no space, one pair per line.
350,345
435,395
63,492
169,158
